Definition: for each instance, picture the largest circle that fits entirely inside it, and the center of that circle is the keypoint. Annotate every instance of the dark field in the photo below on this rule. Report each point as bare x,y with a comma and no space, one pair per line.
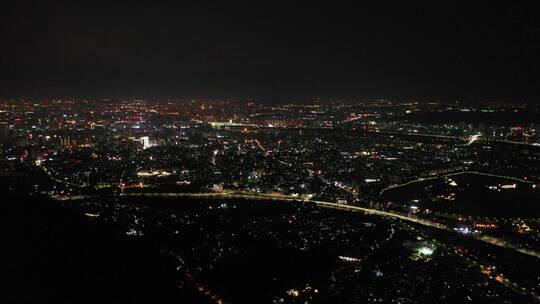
471,196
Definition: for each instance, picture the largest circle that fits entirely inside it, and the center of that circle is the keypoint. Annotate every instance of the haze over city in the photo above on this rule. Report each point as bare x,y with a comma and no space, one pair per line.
447,50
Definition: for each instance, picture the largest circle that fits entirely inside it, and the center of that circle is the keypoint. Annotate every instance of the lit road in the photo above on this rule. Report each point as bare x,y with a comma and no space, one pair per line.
200,287
454,174
323,204
330,205
485,270
54,178
456,138
465,139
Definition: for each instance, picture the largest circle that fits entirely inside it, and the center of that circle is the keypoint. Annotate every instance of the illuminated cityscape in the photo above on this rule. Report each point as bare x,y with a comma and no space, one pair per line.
368,192
251,190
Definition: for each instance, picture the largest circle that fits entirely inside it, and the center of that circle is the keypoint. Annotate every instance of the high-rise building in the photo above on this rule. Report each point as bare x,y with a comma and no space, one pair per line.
145,141
65,141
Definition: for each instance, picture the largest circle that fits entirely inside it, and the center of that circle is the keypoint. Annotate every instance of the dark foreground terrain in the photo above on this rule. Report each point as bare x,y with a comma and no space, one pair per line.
57,256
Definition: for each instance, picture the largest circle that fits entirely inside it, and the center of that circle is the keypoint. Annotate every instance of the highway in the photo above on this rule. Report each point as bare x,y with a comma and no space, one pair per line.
226,194
323,204
331,205
466,140
474,260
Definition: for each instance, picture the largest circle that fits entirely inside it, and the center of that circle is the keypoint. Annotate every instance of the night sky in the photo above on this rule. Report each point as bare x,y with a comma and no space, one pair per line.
271,49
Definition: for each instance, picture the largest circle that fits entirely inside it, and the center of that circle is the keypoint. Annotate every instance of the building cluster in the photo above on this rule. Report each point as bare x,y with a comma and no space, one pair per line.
454,165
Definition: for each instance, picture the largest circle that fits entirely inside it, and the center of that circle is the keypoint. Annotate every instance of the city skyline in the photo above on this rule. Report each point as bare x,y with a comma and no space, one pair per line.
223,201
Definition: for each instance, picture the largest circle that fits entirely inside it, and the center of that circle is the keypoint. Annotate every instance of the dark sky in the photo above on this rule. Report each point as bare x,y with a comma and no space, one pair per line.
437,49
